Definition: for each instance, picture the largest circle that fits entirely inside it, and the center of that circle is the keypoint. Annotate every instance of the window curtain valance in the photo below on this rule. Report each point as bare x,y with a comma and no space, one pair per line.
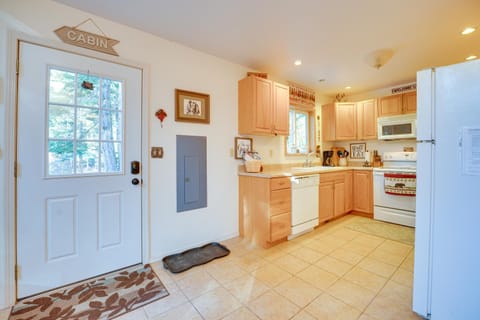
302,98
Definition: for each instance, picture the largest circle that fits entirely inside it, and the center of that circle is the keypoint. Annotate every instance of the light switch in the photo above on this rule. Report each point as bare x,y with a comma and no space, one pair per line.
157,152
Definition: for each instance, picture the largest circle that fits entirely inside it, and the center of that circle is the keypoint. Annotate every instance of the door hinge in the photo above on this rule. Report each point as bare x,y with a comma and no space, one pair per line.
15,169
17,67
18,271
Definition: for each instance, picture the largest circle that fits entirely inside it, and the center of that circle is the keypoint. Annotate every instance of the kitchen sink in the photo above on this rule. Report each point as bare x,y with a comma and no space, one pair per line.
311,169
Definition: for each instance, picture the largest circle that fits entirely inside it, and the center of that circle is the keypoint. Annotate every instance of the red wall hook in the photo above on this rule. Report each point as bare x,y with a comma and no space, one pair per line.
161,115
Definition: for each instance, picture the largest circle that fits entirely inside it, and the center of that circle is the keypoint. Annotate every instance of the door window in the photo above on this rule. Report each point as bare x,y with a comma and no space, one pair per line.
85,124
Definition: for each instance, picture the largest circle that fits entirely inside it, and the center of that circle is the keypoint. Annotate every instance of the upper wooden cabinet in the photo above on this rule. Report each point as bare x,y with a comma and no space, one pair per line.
367,120
263,107
397,104
339,121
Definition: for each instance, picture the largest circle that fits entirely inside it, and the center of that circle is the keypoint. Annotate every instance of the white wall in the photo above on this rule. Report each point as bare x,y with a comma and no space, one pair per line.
171,66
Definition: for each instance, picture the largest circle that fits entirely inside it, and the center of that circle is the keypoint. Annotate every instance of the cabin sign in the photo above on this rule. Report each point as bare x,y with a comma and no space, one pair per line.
86,40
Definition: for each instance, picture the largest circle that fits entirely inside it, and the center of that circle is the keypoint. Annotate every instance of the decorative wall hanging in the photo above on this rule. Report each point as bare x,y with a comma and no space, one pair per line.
242,145
88,40
161,115
357,150
192,106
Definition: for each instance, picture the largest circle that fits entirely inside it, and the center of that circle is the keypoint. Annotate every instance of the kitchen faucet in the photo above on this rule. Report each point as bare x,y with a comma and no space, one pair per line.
308,161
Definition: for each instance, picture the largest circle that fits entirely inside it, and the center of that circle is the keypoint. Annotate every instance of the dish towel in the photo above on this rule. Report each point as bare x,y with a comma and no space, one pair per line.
400,184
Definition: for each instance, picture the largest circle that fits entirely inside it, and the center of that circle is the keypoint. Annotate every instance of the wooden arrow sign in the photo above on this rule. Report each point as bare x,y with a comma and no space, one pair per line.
87,40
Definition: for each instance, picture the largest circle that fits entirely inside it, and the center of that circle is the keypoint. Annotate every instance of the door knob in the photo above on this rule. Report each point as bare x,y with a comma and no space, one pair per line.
135,181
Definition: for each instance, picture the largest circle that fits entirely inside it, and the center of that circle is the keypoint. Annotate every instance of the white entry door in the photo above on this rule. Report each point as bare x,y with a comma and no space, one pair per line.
78,206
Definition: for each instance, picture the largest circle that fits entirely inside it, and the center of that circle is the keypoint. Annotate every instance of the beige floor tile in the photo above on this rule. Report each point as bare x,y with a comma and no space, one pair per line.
368,240
197,283
403,277
395,247
408,262
216,304
174,299
317,277
246,288
271,253
271,275
394,302
351,294
138,314
291,263
307,254
335,266
241,314
225,272
272,306
378,267
183,312
365,316
345,233
250,262
304,315
365,279
326,244
298,291
288,246
328,307
358,248
346,256
385,256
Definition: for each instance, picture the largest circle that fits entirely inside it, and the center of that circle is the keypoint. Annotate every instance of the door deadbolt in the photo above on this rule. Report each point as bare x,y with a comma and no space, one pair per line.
135,167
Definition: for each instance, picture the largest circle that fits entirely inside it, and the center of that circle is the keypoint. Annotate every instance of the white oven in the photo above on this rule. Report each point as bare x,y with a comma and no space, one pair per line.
394,189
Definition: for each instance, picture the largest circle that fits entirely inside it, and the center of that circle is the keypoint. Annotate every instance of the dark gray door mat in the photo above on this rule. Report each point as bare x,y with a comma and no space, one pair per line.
193,257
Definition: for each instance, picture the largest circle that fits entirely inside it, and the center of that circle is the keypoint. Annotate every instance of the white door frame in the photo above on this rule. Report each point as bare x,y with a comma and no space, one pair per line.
9,227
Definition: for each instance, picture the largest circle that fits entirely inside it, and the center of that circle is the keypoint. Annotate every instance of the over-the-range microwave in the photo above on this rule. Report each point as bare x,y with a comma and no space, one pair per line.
397,127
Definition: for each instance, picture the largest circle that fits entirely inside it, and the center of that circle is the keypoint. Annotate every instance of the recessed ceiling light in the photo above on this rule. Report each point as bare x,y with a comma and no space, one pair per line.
471,57
468,30
298,62
348,87
322,80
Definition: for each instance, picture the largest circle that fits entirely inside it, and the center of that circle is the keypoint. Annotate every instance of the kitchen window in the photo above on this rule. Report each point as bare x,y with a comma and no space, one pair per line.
300,132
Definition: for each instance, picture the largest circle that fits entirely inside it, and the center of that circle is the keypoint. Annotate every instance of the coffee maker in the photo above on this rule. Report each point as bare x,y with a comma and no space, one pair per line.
327,159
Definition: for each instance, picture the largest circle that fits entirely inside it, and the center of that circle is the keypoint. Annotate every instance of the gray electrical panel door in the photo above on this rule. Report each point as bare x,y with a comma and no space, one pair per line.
191,172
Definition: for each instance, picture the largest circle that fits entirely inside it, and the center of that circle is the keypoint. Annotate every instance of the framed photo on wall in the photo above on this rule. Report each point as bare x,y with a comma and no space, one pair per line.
357,150
192,106
242,145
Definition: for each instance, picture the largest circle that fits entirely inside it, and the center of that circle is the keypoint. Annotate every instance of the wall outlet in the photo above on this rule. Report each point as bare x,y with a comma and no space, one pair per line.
156,152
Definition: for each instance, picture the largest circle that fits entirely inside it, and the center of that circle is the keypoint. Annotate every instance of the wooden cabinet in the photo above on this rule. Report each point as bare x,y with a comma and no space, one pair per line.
339,121
363,191
367,120
263,107
397,104
264,209
334,194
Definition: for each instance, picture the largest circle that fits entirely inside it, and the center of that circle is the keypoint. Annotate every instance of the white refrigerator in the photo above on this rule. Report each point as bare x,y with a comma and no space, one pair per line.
447,236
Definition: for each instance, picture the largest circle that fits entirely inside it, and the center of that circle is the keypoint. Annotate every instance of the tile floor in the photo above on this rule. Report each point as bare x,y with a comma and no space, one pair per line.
330,273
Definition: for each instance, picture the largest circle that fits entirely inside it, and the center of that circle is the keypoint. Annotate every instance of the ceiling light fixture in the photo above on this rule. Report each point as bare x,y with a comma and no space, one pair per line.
471,57
348,87
378,58
298,62
468,30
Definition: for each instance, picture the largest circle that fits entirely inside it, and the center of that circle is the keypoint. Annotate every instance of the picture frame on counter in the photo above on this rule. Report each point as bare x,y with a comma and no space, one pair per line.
242,145
357,151
192,106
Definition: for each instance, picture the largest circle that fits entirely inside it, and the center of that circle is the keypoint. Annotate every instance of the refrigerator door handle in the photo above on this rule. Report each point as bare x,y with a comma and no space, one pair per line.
432,141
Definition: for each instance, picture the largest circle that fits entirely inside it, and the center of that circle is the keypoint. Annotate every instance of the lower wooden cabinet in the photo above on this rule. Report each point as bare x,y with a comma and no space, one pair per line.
363,191
264,209
335,195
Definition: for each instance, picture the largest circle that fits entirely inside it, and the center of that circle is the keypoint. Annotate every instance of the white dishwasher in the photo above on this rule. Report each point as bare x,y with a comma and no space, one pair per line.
304,204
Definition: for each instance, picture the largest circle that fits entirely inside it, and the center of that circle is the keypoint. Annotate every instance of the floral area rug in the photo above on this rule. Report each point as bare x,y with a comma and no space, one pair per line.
105,297
384,229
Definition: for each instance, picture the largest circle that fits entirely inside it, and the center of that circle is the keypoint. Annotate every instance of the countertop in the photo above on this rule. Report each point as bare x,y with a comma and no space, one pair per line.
275,171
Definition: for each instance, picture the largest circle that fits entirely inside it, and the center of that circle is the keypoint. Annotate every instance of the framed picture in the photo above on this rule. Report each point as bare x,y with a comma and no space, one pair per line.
242,145
357,150
192,106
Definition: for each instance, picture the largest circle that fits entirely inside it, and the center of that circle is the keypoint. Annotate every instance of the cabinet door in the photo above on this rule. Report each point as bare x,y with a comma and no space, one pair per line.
348,191
328,122
362,191
367,120
390,105
345,121
281,105
325,201
263,105
410,102
339,198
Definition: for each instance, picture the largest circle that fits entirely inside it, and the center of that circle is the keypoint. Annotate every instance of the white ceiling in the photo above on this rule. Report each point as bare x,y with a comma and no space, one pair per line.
333,38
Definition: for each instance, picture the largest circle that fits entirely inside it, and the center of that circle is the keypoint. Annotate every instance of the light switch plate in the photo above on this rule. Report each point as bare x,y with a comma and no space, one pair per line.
157,152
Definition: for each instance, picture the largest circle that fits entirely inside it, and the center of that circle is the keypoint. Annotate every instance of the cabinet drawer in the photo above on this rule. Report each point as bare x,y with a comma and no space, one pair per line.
279,183
332,177
280,201
280,226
